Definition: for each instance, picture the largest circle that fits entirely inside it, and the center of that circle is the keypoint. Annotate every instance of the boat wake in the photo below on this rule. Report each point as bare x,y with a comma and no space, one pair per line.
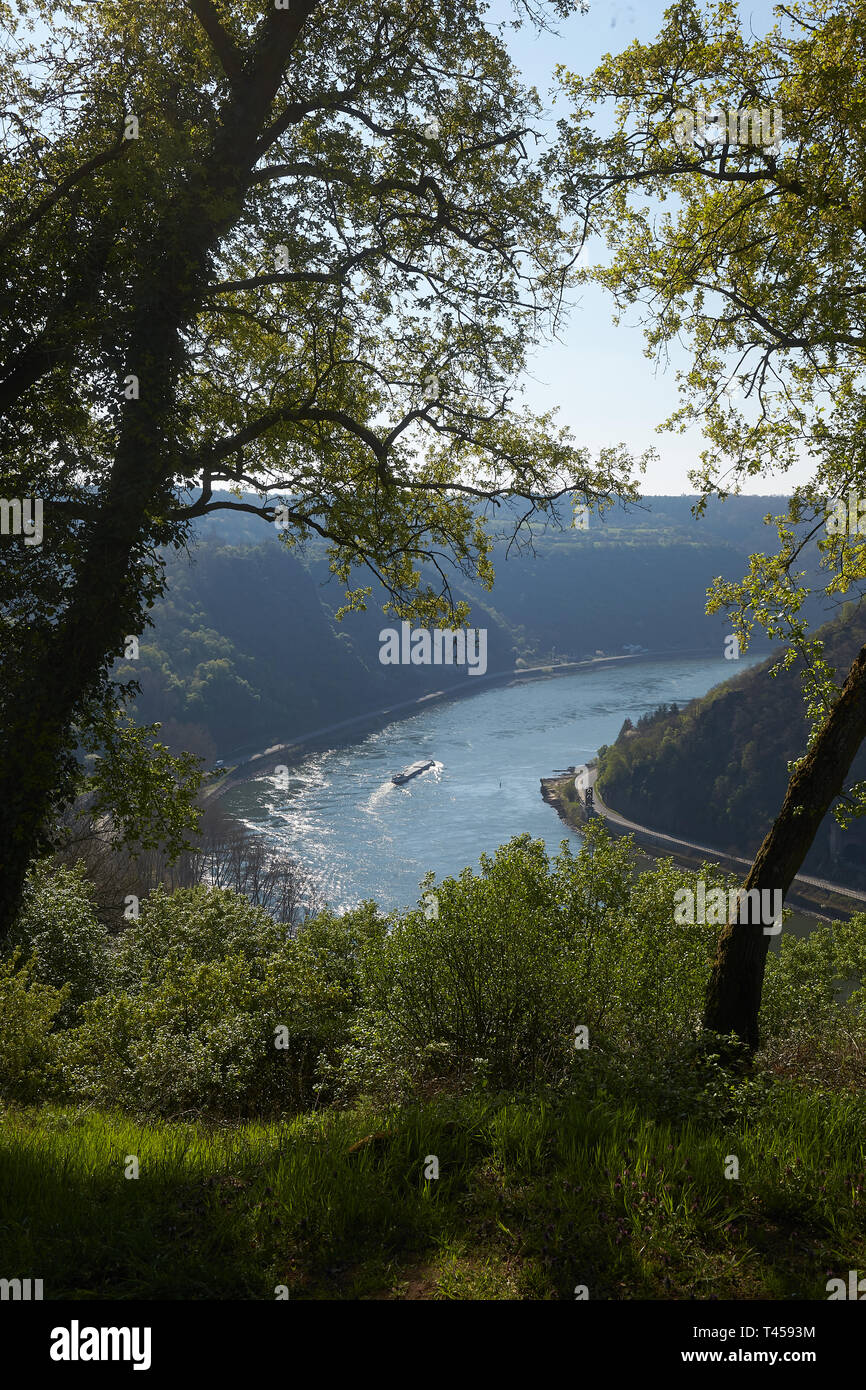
423,770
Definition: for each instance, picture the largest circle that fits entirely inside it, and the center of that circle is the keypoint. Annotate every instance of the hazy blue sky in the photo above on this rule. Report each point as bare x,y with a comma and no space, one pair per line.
598,376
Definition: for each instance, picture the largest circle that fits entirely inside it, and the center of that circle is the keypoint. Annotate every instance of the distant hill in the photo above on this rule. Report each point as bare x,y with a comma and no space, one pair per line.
245,648
716,770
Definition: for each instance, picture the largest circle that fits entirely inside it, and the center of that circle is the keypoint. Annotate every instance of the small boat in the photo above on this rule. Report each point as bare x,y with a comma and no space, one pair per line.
414,770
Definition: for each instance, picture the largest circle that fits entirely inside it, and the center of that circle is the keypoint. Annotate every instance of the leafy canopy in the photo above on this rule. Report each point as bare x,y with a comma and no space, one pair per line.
743,242
303,255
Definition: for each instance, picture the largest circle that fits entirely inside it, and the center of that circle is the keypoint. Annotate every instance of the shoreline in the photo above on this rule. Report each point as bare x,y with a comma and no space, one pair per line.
806,896
347,731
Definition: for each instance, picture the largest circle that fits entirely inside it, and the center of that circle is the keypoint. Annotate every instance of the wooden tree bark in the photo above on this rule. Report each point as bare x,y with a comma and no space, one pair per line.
734,991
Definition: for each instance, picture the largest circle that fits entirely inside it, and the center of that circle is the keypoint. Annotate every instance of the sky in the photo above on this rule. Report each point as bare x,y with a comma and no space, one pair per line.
606,389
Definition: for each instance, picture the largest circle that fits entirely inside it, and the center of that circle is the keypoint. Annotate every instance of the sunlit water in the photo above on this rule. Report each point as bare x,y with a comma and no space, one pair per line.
362,837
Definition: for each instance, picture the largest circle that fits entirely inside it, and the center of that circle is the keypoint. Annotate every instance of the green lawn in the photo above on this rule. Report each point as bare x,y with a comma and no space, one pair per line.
533,1198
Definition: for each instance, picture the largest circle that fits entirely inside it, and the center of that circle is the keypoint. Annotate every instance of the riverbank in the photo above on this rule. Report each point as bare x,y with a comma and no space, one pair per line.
815,898
347,731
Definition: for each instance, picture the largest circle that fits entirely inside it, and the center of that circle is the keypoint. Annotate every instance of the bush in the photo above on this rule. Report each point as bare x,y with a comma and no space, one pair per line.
219,1010
199,1039
494,986
28,1047
483,989
208,1005
203,924
806,984
57,923
813,1019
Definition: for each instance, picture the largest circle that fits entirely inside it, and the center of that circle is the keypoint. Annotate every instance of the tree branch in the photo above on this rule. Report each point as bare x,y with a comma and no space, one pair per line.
49,201
224,46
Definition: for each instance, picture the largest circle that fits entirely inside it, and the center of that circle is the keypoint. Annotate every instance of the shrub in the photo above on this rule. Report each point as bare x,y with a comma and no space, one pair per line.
806,984
201,1039
202,924
813,1019
483,988
57,923
520,955
28,1047
219,1010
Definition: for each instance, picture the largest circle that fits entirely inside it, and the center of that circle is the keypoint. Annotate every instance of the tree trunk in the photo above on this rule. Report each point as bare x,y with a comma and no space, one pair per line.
106,599
41,710
734,991
105,602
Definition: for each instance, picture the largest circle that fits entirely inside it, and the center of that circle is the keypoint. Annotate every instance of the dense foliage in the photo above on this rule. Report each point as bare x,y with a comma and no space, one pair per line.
530,975
355,1049
215,1007
28,1046
58,929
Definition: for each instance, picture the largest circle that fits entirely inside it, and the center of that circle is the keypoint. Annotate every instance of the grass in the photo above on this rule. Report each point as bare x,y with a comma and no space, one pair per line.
534,1198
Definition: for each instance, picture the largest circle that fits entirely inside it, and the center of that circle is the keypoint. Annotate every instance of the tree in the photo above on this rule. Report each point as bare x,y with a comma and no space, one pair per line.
759,271
302,252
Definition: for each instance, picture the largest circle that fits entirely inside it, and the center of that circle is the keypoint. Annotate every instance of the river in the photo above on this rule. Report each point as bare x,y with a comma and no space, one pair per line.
362,837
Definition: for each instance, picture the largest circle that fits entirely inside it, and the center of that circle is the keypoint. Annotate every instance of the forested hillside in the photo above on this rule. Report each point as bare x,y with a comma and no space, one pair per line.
245,648
716,771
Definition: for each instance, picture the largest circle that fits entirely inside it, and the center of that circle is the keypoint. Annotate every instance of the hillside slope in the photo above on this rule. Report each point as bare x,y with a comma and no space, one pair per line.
245,648
716,771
